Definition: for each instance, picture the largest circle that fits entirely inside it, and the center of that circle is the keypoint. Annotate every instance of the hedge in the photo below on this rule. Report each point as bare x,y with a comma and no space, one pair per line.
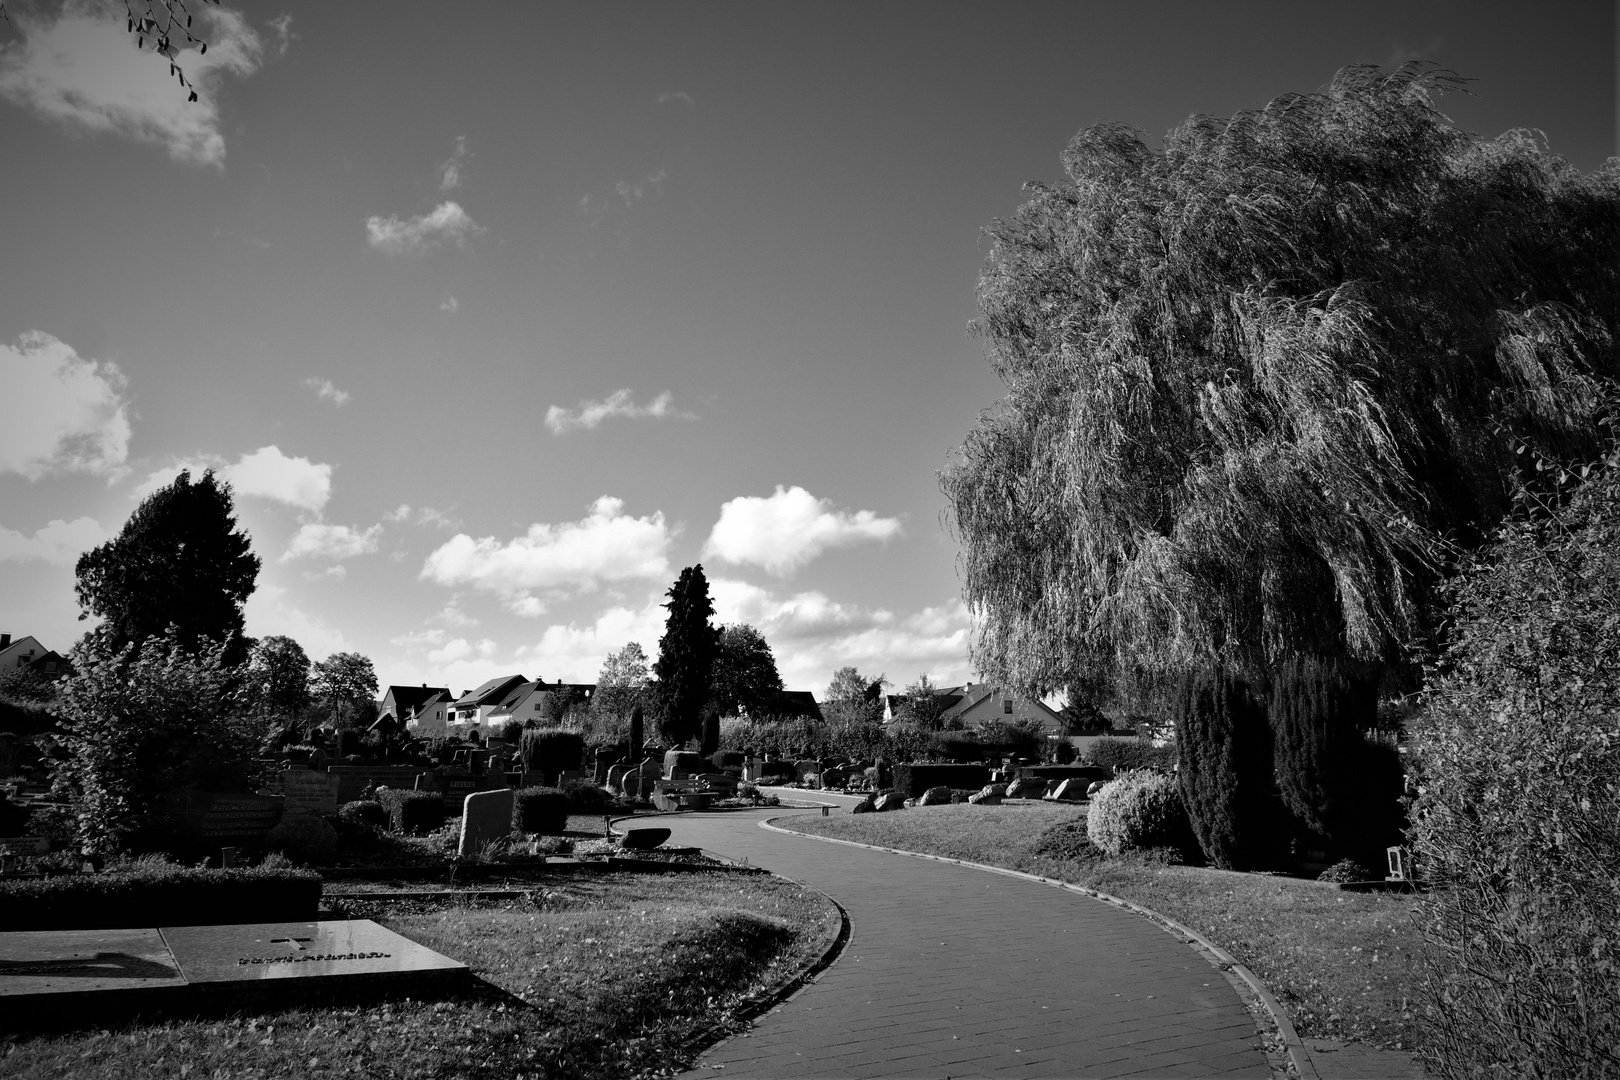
1121,755
914,778
366,811
412,811
169,895
540,810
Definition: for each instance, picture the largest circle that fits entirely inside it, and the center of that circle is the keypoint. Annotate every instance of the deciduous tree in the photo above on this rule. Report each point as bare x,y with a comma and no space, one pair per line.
744,678
1260,377
345,685
179,561
278,674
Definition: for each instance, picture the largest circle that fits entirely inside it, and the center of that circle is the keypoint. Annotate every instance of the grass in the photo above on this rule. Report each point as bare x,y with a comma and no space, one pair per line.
603,977
1341,963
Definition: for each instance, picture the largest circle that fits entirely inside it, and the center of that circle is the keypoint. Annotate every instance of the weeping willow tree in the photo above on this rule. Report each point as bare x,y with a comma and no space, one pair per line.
1261,379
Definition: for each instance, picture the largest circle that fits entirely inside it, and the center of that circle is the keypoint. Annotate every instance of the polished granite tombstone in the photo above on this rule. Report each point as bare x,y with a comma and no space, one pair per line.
46,975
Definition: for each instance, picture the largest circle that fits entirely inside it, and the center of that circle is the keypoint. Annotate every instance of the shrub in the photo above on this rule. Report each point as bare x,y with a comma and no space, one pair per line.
1021,738
140,723
412,812
727,759
1348,870
304,839
957,746
363,812
1225,771
585,797
153,893
772,771
914,778
1320,707
1136,811
1122,755
1518,823
540,810
551,751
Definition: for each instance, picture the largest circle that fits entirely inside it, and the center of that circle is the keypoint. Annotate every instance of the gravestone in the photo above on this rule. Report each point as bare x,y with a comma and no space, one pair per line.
212,816
615,777
632,785
682,764
309,792
485,816
1072,789
78,976
354,779
643,839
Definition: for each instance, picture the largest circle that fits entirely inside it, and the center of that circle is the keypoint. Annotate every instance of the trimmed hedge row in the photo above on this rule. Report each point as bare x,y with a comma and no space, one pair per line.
914,778
412,811
540,810
165,896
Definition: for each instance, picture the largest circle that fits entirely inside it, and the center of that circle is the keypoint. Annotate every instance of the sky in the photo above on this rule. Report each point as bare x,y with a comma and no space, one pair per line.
496,323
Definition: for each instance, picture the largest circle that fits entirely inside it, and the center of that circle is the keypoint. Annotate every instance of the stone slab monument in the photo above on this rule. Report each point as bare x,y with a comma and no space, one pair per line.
485,816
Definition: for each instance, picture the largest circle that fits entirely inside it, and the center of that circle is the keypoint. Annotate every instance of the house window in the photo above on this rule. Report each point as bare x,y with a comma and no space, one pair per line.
537,706
1006,705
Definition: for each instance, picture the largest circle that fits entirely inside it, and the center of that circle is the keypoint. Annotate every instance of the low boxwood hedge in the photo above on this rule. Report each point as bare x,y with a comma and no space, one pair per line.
913,778
540,810
159,895
412,811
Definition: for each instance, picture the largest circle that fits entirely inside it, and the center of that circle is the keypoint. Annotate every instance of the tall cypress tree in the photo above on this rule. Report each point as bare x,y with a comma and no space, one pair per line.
1225,756
686,656
1320,708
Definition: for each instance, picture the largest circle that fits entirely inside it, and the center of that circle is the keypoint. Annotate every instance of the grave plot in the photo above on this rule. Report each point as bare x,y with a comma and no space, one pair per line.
54,977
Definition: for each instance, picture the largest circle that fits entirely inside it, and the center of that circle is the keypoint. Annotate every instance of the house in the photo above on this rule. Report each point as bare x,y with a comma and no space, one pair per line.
983,702
950,697
532,701
424,709
20,653
475,706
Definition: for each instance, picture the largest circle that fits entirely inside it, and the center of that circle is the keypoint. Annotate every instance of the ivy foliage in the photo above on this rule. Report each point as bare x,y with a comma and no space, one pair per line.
1259,378
1518,823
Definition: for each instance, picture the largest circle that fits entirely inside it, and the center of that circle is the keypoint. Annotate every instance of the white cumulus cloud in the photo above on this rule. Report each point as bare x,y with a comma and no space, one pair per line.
270,610
59,542
60,412
588,414
575,556
446,223
784,531
318,540
327,390
267,473
450,171
81,68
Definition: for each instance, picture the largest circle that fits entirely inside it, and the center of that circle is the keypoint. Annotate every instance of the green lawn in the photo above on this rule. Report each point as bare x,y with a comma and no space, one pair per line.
1339,962
599,977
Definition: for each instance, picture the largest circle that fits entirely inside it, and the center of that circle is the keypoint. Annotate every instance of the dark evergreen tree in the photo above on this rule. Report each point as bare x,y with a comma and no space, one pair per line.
180,560
636,732
1320,709
686,657
710,741
1225,747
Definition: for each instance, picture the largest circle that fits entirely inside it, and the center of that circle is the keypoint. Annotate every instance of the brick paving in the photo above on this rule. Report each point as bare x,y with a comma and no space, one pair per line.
952,971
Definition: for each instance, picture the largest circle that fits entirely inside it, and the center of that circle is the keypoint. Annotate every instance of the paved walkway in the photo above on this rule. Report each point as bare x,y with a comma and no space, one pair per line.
954,972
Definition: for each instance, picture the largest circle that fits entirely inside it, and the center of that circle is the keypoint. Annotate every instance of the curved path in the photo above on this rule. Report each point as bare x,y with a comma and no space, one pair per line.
952,971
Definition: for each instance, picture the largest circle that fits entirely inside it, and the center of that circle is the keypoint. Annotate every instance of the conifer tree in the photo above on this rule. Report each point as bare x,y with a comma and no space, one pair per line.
1320,708
686,656
1225,770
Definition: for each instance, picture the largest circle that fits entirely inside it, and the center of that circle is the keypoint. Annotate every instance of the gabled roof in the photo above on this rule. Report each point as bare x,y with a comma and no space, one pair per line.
798,703
407,698
14,653
493,692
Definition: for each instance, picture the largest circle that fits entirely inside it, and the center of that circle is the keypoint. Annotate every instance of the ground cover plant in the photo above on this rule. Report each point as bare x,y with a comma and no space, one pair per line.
594,978
1341,963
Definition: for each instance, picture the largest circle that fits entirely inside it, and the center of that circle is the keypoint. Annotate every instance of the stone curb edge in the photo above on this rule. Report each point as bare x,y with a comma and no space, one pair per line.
758,1004
1298,1057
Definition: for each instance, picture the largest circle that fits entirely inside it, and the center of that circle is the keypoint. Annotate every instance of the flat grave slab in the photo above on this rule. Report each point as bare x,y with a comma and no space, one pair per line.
53,978
74,961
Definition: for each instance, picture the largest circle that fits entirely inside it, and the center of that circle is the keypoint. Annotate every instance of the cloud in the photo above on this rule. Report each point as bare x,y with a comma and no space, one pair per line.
450,171
423,515
448,222
82,69
326,390
812,635
317,540
282,25
576,556
675,95
574,652
335,572
59,542
650,185
60,412
266,473
450,304
270,611
459,649
589,414
782,532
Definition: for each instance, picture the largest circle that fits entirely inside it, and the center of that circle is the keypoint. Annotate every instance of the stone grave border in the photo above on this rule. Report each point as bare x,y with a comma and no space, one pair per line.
1251,991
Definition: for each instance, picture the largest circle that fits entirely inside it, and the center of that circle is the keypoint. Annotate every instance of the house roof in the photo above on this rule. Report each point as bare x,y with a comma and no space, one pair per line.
13,654
407,698
798,703
494,692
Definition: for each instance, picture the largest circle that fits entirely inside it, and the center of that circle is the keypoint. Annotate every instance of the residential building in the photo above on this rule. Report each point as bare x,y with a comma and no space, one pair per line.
19,653
475,706
424,710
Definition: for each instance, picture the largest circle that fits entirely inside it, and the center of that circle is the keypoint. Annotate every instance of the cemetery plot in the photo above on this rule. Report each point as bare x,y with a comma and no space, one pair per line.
44,962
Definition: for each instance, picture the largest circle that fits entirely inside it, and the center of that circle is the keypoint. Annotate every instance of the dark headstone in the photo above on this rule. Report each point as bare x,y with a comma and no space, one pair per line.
643,839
